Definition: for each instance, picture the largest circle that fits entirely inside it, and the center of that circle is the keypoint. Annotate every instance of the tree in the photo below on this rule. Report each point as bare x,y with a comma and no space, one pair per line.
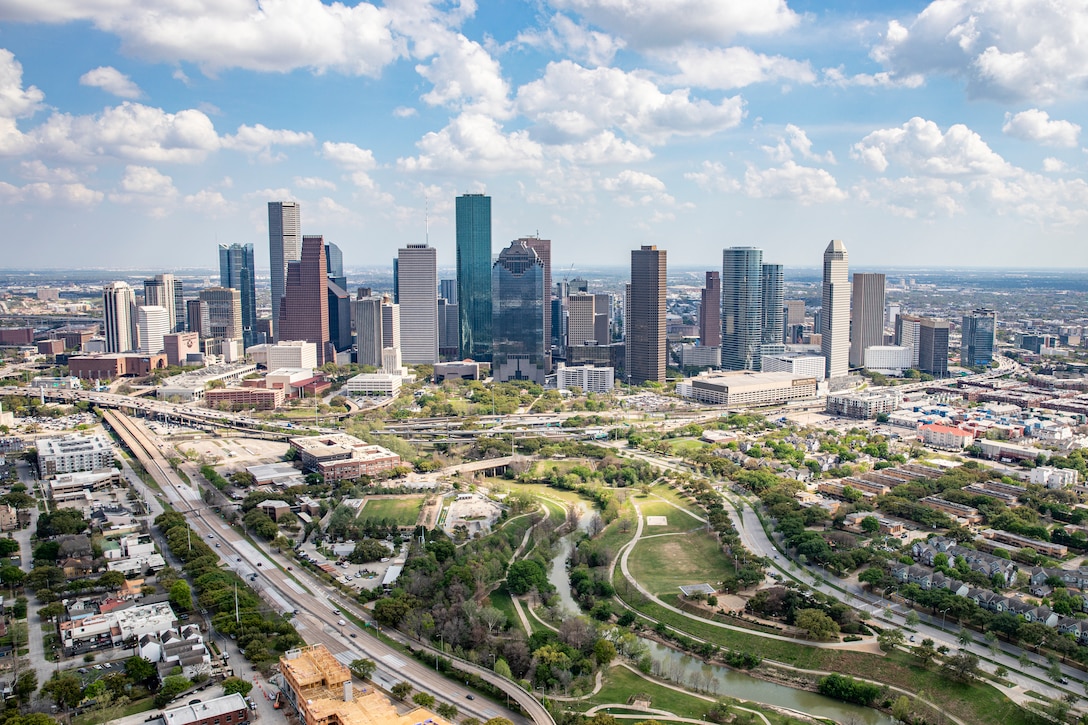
498,721
12,576
890,638
492,617
111,580
925,651
816,623
604,652
962,667
66,690
423,699
401,690
236,685
25,685
901,709
870,525
912,619
523,575
964,638
8,547
139,669
502,668
172,686
181,595
363,668
447,710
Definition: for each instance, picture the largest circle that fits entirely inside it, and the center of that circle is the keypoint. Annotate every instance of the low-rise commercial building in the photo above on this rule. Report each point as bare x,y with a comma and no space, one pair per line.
191,386
888,359
247,397
227,710
946,437
379,384
285,354
743,388
118,365
339,456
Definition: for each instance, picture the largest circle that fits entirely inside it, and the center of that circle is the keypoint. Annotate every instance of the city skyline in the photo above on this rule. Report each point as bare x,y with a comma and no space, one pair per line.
902,130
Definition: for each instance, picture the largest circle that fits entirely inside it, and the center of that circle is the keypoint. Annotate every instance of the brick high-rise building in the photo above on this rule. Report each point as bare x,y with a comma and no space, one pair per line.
710,311
645,316
304,310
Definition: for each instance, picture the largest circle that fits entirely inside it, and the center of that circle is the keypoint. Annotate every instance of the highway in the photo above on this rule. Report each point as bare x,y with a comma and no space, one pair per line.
309,597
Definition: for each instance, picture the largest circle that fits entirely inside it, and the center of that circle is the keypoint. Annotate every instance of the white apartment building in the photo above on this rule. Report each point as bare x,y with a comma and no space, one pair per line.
1054,477
72,453
587,377
286,354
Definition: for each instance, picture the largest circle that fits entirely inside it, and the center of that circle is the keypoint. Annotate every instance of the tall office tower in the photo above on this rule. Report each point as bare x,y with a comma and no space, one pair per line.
194,316
933,347
835,313
119,308
449,336
866,315
473,213
368,330
417,280
517,315
742,307
339,317
153,322
581,318
578,284
907,334
710,311
560,323
284,247
774,300
334,265
304,309
892,311
237,270
646,351
166,292
390,323
979,332
794,320
221,308
543,249
447,288
602,318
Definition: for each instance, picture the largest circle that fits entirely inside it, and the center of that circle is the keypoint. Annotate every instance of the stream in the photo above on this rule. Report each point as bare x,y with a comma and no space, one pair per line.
690,671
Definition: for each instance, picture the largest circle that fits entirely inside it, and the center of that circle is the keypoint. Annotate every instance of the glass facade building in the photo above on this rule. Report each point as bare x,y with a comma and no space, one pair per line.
742,307
517,315
979,330
473,229
236,271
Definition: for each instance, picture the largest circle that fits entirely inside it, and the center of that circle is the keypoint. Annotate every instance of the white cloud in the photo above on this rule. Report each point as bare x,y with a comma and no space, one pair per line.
38,171
912,197
348,156
837,77
658,23
735,67
1053,165
271,36
112,81
210,203
569,39
465,77
803,184
1036,125
474,143
16,101
405,112
51,194
921,147
1003,49
604,148
148,187
179,75
571,102
313,182
629,180
259,140
129,131
796,141
712,176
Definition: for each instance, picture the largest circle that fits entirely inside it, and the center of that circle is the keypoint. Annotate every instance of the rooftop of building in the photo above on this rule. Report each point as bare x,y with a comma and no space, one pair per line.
202,710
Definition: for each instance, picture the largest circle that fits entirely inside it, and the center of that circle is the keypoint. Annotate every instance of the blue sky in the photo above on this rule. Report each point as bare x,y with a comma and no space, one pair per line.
919,133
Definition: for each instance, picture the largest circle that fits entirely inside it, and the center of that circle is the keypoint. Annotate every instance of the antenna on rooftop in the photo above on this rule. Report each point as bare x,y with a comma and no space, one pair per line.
427,220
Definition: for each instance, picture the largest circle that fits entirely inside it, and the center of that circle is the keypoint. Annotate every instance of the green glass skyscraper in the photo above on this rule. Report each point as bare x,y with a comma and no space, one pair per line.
474,275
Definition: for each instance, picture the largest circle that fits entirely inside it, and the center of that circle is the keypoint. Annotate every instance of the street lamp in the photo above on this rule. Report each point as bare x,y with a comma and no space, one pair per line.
943,612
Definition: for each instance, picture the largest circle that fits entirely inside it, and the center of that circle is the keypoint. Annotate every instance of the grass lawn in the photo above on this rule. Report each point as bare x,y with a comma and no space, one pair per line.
664,563
500,599
678,520
133,708
402,511
620,683
681,446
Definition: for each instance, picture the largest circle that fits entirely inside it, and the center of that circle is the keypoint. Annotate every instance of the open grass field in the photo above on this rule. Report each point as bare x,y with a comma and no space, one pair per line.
619,684
663,563
500,599
678,520
402,511
686,445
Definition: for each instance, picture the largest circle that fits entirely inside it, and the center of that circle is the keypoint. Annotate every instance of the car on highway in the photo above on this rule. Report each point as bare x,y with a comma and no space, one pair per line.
470,697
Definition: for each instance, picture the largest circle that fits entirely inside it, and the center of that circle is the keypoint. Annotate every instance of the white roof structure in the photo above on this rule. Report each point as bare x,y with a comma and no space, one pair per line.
204,710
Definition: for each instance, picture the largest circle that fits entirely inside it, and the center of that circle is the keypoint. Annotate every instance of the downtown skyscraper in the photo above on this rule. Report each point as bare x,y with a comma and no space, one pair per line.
237,270
473,229
119,310
866,315
284,247
304,309
773,287
645,316
165,291
835,313
742,307
978,335
519,349
710,311
417,287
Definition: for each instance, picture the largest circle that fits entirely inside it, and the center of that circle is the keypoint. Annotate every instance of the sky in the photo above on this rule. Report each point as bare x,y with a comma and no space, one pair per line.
137,134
